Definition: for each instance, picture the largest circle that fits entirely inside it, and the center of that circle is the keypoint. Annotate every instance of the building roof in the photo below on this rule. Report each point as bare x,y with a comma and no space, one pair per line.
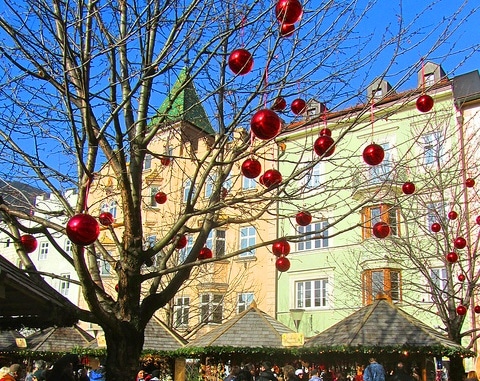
11,341
466,87
19,196
159,337
186,107
59,339
251,328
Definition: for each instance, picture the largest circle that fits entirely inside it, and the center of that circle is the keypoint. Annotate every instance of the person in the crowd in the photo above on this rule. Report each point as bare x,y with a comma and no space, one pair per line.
82,374
314,375
4,370
63,369
401,374
472,376
143,375
232,376
97,371
266,373
289,373
39,369
247,373
299,373
14,373
374,371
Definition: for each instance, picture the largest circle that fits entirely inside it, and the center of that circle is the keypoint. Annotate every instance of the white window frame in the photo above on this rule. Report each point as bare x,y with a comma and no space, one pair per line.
307,242
312,293
436,212
314,176
244,300
186,250
248,183
68,246
432,144
216,241
248,237
211,308
64,285
182,311
104,267
209,185
43,252
147,163
383,171
187,185
439,278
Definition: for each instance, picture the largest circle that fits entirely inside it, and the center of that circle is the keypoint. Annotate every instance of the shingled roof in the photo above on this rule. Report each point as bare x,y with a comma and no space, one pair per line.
251,328
11,341
159,337
59,339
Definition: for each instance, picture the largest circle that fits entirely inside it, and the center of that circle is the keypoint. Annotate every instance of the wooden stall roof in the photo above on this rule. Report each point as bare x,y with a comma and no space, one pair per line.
59,339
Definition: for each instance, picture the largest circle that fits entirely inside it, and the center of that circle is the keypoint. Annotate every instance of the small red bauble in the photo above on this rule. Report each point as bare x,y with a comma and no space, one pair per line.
286,30
281,247
240,61
436,227
477,220
117,287
261,181
303,218
29,243
106,218
161,197
271,178
165,160
82,229
452,215
251,168
452,257
408,187
424,103
373,154
381,229
326,132
470,183
265,124
282,264
477,309
288,11
324,146
461,277
298,106
461,310
205,253
460,242
279,104
181,242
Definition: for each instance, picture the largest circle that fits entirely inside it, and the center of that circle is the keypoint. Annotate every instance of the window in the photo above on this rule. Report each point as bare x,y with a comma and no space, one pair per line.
313,177
439,283
103,266
64,284
381,281
381,172
186,250
377,213
68,246
43,252
317,239
209,186
187,186
429,79
311,293
216,242
248,237
436,212
248,183
244,301
150,241
211,308
182,310
432,148
110,207
377,93
153,192
147,164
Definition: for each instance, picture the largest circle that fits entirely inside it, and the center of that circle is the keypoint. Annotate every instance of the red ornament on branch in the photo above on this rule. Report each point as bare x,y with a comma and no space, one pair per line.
288,11
282,264
408,187
271,178
324,146
373,154
286,30
424,103
470,183
381,229
205,253
436,227
477,309
251,168
326,132
452,215
82,229
303,218
461,277
461,310
265,124
460,242
165,160
477,220
106,218
181,242
29,243
161,197
281,247
279,104
298,106
452,257
240,61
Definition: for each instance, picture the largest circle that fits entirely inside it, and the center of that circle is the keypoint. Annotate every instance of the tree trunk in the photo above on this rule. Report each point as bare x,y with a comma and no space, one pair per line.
457,371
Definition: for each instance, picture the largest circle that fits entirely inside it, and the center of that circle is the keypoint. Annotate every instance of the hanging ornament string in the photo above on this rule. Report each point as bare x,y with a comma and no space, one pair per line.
87,192
372,114
422,62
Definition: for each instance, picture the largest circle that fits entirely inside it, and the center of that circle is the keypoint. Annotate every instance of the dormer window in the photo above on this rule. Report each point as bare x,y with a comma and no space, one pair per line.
429,79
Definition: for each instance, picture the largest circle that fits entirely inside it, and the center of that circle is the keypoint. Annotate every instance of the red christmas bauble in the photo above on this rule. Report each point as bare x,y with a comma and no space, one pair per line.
161,197
182,242
477,309
106,218
165,160
288,11
477,220
373,154
286,30
29,243
324,146
117,287
281,247
452,215
261,180
224,193
82,229
326,132
303,218
461,310
424,103
271,178
265,124
452,257
381,229
470,183
205,253
408,187
436,227
251,168
461,277
298,106
460,242
240,61
282,264
279,104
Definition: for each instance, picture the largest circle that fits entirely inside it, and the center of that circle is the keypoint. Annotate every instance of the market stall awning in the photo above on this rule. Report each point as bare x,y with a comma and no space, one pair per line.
159,337
59,339
12,341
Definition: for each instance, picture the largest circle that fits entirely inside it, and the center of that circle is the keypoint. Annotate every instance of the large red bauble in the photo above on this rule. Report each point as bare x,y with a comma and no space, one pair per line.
29,243
408,187
165,160
452,215
106,218
477,309
161,197
298,106
240,61
279,104
373,154
261,181
282,264
477,220
271,178
460,242
470,183
83,229
265,124
461,277
251,168
381,229
326,131
324,146
181,242
424,103
452,257
303,218
461,310
288,11
281,247
286,30
205,253
436,227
